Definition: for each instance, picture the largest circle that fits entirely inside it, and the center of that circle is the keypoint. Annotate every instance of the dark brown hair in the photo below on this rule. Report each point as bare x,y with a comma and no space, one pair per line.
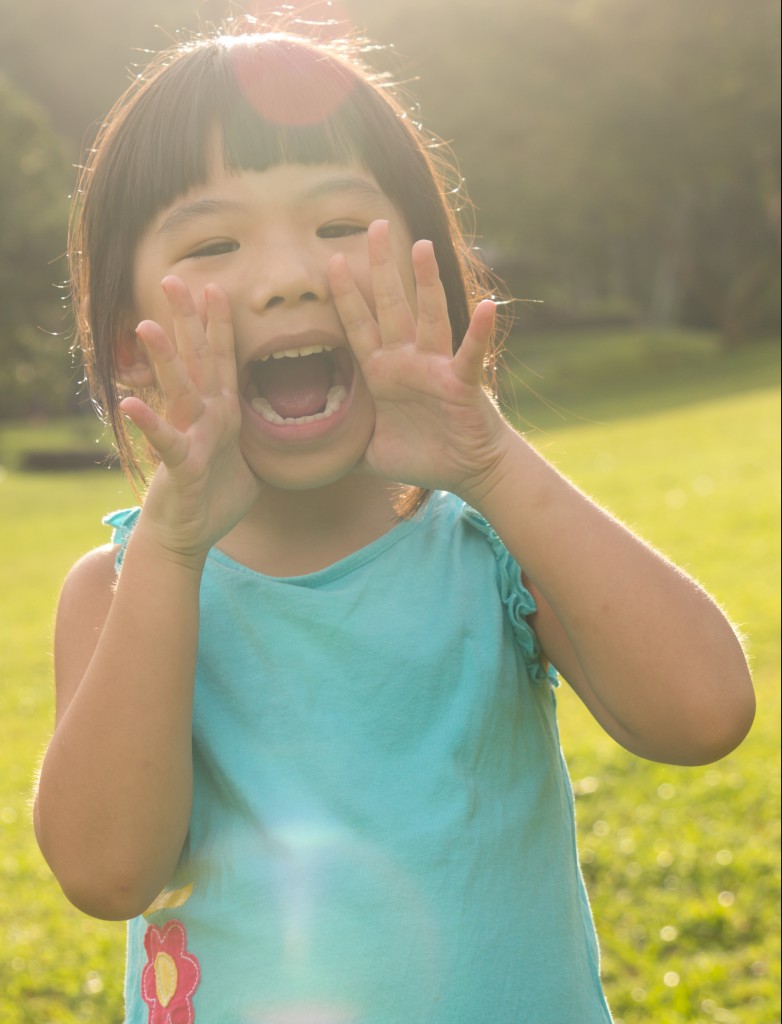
275,98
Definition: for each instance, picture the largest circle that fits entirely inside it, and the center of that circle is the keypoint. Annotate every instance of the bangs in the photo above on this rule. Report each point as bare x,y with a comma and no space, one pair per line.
268,100
289,104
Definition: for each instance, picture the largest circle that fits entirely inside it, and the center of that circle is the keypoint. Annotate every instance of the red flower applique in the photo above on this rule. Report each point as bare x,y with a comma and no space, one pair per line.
171,975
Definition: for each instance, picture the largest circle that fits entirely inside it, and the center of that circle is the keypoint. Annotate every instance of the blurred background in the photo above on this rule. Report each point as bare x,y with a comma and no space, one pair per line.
622,156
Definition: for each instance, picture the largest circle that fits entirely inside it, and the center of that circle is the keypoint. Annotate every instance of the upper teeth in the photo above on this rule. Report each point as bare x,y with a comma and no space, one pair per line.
294,353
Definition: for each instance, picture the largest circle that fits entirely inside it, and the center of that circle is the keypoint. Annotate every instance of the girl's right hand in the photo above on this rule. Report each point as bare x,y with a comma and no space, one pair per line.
203,485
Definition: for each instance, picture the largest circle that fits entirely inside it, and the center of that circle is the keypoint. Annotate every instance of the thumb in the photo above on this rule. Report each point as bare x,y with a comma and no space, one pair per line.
470,357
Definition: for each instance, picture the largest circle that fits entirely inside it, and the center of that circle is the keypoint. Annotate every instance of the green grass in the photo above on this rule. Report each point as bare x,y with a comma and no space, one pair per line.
552,381
56,965
83,433
682,864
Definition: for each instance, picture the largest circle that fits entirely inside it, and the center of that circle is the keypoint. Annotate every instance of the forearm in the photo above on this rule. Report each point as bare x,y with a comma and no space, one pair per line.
115,788
649,652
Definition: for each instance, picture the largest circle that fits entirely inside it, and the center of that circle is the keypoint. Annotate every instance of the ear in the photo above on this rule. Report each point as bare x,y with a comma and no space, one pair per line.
134,369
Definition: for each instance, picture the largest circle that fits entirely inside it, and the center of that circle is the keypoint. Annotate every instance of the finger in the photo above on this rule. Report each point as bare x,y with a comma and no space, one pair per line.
191,337
360,325
392,306
470,358
220,335
434,327
183,402
167,442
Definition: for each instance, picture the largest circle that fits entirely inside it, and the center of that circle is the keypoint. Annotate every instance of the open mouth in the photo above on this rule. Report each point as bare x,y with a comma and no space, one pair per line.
299,385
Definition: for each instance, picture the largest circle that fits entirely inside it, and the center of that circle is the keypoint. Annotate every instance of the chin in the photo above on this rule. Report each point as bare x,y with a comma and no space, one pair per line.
305,470
307,456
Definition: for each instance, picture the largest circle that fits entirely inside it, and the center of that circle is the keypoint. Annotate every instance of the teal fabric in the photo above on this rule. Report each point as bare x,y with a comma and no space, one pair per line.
383,826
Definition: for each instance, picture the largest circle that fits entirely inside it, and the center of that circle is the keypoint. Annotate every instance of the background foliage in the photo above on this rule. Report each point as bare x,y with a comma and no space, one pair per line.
33,170
623,156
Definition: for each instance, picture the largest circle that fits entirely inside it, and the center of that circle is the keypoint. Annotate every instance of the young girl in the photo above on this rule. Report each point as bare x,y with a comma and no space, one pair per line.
306,736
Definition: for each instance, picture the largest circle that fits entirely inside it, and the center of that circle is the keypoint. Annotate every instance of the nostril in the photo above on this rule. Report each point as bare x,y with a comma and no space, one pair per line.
281,300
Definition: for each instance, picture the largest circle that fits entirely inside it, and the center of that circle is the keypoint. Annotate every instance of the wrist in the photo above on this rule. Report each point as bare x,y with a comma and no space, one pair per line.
479,488
160,545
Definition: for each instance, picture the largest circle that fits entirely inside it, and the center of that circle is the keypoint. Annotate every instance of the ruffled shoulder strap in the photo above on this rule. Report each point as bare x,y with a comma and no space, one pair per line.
518,602
122,523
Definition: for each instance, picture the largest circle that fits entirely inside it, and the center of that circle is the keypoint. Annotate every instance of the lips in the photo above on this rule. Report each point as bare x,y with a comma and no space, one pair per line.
299,383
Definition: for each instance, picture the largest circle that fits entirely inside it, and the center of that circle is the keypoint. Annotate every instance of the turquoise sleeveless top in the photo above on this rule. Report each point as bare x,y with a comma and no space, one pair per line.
382,828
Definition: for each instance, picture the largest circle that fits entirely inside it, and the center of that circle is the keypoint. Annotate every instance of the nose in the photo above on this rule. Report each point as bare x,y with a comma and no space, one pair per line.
286,275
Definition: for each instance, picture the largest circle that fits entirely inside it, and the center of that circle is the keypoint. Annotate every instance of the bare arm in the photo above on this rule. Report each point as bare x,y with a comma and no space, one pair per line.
647,650
115,788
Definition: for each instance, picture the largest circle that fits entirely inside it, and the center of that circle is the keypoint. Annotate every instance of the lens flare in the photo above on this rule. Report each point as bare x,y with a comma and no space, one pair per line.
290,85
358,939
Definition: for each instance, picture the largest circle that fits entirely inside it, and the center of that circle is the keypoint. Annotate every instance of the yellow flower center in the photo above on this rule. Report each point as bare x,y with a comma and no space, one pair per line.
165,978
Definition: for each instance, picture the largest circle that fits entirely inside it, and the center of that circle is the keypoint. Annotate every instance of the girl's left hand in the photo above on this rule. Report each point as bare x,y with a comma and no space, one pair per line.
436,425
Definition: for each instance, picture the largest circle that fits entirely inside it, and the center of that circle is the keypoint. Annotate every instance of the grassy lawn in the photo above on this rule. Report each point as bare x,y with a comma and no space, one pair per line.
682,864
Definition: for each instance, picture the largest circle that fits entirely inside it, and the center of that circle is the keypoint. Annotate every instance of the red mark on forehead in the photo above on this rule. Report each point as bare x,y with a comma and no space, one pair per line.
289,84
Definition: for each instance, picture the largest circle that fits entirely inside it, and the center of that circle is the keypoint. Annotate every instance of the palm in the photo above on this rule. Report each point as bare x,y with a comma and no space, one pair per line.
203,485
428,421
435,424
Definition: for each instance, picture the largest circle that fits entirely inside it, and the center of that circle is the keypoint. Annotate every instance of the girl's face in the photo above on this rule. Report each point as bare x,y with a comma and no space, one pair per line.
266,239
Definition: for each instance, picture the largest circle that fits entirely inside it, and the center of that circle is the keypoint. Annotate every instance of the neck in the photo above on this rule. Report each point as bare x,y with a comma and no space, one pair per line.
293,533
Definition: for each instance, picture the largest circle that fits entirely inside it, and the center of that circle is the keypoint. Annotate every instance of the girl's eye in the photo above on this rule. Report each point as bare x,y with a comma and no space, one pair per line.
340,230
219,248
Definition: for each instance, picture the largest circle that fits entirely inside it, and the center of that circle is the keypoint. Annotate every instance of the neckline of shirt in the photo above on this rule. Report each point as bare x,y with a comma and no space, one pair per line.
355,560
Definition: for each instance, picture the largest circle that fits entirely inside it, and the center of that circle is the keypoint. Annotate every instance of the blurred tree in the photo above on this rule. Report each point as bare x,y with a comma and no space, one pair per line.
622,155
35,371
693,114
61,68
75,58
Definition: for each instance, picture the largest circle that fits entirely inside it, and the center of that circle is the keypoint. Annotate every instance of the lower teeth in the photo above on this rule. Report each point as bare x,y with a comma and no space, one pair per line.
334,399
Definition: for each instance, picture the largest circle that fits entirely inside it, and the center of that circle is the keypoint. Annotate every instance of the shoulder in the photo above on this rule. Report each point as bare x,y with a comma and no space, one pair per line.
85,601
443,512
88,589
92,577
456,532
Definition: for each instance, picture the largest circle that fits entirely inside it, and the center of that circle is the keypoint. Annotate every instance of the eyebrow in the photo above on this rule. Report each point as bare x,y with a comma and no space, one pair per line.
186,214
339,184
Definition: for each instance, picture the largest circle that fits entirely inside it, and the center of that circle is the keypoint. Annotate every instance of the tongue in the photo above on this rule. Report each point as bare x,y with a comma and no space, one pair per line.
296,387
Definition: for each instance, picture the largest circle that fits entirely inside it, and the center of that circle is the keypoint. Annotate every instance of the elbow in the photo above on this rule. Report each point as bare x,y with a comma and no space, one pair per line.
732,714
107,891
715,705
105,899
726,728
104,894
727,702
706,727
715,727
